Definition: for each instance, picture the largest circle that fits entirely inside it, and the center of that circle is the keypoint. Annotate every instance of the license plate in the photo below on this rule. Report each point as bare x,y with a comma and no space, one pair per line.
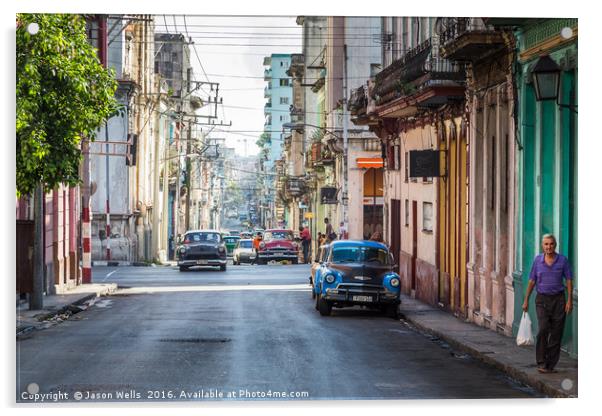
358,298
202,262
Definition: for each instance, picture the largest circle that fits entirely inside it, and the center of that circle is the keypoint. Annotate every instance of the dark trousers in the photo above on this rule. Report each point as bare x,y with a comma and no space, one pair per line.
550,318
306,244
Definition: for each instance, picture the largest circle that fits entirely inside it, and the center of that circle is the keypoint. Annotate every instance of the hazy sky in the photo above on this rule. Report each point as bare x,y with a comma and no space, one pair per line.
231,51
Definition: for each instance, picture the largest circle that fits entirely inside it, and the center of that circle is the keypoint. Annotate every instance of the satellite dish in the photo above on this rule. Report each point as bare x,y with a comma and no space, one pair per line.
93,187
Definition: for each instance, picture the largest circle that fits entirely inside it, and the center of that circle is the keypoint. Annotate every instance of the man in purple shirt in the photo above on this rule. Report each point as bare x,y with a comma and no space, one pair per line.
547,272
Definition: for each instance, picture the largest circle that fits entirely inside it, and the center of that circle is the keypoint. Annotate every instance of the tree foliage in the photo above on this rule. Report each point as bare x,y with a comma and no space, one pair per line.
63,94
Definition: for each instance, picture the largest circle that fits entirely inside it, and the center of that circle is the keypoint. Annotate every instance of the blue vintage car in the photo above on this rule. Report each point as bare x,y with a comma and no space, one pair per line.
356,273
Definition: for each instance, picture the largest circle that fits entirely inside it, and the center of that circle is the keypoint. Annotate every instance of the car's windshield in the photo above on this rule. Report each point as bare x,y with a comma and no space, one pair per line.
203,238
278,235
245,244
358,254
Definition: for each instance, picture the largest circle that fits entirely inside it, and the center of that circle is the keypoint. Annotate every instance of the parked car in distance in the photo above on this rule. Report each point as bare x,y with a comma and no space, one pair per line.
246,234
234,233
244,251
357,273
202,248
278,245
320,258
230,241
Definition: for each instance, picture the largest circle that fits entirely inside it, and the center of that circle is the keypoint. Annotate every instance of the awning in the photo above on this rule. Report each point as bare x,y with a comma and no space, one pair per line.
369,162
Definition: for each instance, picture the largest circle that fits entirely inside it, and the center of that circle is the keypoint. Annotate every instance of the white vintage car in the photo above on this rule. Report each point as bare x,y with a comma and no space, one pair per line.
243,252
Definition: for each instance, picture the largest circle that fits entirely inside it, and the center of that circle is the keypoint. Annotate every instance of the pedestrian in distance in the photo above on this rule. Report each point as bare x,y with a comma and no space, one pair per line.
321,241
256,241
305,242
547,274
342,231
329,229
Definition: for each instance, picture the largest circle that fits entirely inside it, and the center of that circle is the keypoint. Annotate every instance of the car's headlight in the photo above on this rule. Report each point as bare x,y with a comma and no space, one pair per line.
183,249
295,245
261,245
221,249
329,278
394,282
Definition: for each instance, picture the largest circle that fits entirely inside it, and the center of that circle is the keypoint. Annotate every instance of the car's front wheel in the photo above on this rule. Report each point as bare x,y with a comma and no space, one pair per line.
222,268
392,311
183,268
324,307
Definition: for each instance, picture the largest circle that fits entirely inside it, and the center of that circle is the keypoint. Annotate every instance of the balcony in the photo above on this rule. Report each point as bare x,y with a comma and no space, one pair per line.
468,39
294,186
297,68
297,116
267,92
319,83
358,105
267,75
419,79
321,155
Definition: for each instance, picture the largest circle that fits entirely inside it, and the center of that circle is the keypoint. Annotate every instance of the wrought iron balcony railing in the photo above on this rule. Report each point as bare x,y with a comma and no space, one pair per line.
469,38
358,100
390,82
418,69
295,186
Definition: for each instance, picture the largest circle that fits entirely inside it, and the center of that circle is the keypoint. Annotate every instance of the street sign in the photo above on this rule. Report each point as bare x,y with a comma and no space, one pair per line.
308,215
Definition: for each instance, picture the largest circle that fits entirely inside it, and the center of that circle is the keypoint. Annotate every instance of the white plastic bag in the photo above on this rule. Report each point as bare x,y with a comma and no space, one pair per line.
525,335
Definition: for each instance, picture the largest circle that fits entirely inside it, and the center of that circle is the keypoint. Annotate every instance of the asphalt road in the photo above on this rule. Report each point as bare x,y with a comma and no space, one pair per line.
250,333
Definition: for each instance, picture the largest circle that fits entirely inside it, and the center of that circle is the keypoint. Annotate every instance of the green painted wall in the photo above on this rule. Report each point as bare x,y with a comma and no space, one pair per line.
547,171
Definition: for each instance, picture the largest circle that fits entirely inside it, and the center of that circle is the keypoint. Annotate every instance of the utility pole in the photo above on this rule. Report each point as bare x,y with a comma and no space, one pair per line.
345,198
108,209
188,175
36,301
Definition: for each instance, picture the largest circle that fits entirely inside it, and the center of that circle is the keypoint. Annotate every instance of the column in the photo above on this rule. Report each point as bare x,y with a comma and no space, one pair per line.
487,226
475,148
500,207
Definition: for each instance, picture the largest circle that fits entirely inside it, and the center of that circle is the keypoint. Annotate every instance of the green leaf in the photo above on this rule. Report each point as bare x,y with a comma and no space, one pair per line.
62,92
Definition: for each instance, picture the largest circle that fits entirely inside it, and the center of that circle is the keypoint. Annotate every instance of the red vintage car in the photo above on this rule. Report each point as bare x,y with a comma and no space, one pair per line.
278,245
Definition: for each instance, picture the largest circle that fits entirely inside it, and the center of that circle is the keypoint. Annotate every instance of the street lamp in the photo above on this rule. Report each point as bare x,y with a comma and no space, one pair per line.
546,80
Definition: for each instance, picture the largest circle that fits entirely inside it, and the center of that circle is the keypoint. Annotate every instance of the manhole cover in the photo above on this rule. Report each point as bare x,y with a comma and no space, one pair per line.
196,340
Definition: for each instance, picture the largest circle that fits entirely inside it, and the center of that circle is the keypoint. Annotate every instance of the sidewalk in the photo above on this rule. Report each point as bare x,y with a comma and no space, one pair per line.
492,348
59,307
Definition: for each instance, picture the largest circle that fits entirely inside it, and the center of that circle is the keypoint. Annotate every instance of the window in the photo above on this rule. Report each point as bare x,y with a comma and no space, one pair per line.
284,82
278,235
407,213
283,100
407,166
352,254
427,216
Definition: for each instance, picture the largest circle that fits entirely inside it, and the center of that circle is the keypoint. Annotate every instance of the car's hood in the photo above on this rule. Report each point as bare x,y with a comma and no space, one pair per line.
278,244
361,272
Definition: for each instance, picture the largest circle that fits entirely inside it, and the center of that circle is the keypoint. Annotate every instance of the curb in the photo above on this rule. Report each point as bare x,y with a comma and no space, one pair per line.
122,263
509,370
71,308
